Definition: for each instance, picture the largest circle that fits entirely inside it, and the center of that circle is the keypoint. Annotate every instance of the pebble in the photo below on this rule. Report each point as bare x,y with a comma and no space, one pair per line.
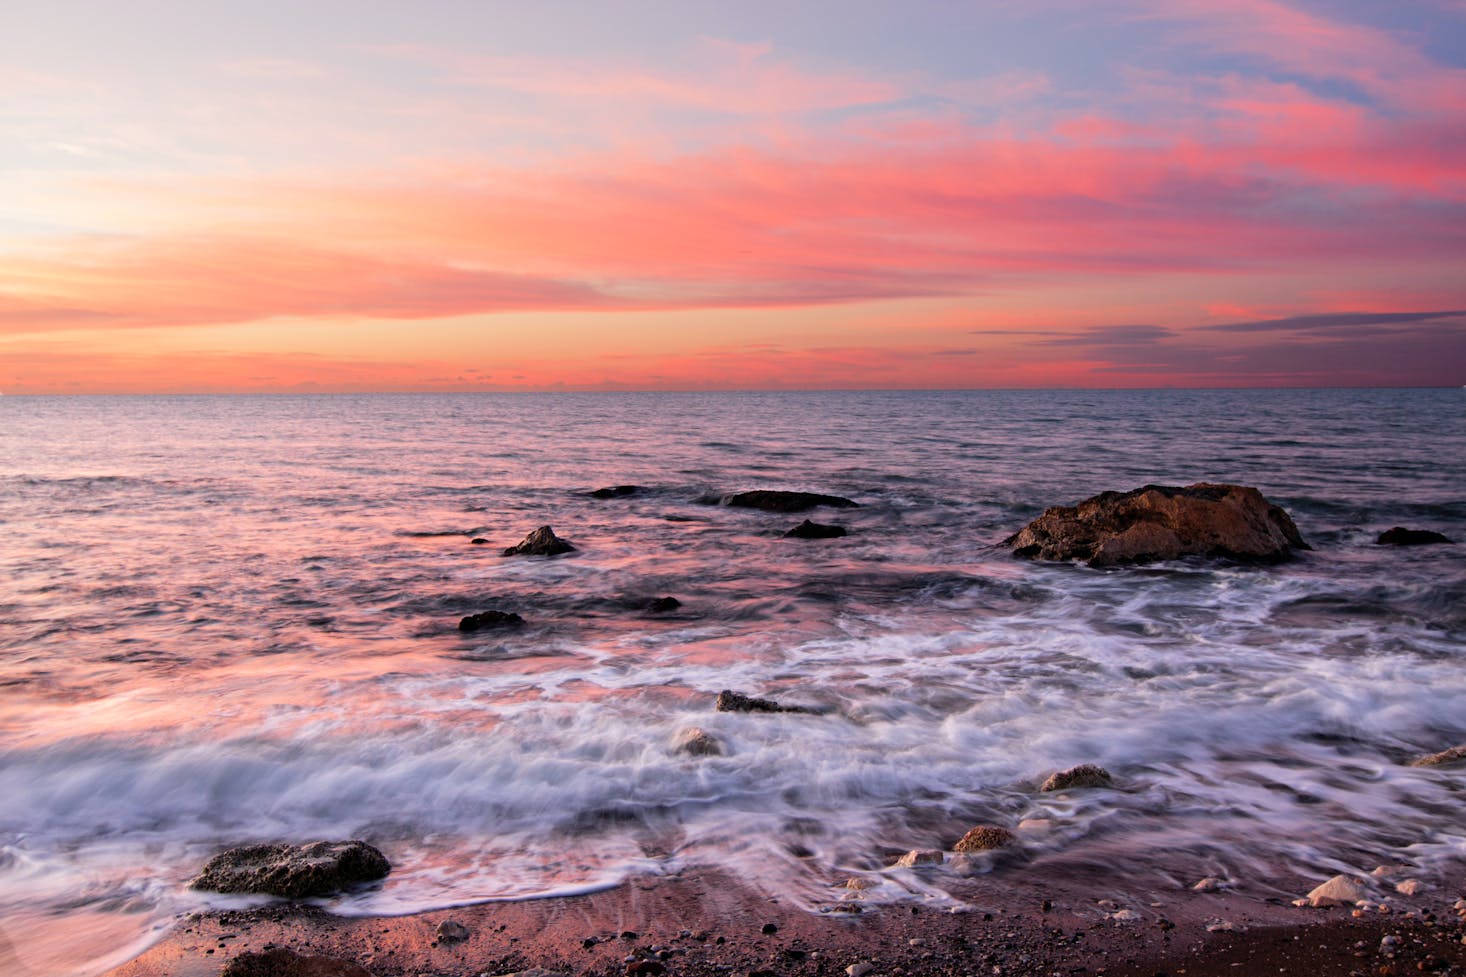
1220,926
1410,887
452,931
1208,884
1341,890
1125,916
859,969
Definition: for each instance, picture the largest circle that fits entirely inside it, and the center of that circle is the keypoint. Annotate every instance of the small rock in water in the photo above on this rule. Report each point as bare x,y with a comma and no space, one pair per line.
730,701
615,491
280,962
490,619
1084,775
452,931
696,741
985,837
917,857
1125,916
663,604
1410,887
541,542
859,883
1454,755
1220,926
293,871
1341,890
815,530
478,541
1400,536
1209,884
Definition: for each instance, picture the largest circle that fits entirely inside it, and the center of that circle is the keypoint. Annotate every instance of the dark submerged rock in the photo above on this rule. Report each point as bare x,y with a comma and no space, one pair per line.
663,605
1162,522
293,871
280,962
541,542
772,501
615,491
478,541
730,701
1400,536
490,619
452,931
815,530
1084,775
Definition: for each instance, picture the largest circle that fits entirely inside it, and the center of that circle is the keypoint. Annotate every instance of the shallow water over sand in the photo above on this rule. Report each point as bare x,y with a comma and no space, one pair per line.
233,619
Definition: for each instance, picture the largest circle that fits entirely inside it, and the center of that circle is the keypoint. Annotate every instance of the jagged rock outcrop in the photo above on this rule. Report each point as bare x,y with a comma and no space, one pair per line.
696,741
1162,522
1455,754
293,871
541,542
730,701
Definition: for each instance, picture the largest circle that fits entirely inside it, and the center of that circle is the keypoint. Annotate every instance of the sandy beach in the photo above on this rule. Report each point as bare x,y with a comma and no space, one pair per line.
1018,920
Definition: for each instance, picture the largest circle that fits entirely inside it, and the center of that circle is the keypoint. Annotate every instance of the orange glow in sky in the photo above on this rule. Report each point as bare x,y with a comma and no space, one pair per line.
1208,192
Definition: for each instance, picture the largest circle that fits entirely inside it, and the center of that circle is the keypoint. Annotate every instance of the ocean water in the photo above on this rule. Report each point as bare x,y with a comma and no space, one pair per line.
233,619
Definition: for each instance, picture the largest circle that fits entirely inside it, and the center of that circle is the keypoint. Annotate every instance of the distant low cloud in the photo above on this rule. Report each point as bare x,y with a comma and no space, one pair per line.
1327,321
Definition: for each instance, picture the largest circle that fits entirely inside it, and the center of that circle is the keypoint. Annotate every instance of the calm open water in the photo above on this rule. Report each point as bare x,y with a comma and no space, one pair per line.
230,619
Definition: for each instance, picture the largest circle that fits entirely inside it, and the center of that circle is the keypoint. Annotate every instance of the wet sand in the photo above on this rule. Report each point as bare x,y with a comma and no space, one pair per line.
702,924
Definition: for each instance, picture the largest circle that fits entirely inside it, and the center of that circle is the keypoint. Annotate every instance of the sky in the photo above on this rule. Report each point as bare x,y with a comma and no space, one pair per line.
356,195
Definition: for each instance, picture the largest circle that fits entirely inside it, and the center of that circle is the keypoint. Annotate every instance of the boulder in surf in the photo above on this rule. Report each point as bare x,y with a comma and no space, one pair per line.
1162,522
293,871
541,542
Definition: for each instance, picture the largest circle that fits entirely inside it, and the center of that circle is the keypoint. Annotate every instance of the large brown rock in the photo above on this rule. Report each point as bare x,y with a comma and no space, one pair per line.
985,837
293,871
1162,522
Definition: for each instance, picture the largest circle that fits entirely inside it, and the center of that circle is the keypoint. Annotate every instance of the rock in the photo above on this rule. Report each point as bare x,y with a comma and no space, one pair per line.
814,530
860,883
985,837
1454,755
452,931
1125,916
1160,522
615,491
1220,926
662,605
1341,890
1209,884
770,501
730,701
280,962
1038,827
490,619
918,856
1410,887
478,541
696,741
541,542
1400,536
859,969
293,871
1084,775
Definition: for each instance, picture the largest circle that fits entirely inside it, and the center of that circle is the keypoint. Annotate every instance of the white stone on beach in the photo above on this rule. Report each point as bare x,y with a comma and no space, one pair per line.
1341,890
859,969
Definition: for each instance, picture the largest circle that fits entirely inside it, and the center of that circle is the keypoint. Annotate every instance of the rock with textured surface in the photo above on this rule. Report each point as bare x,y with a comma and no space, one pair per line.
452,931
293,871
696,741
1084,775
815,530
773,501
918,856
490,619
1341,890
1400,536
985,837
1162,522
730,701
1454,755
280,962
541,542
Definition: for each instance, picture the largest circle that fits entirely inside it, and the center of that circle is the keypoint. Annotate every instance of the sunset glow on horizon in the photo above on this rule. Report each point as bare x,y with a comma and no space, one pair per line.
479,196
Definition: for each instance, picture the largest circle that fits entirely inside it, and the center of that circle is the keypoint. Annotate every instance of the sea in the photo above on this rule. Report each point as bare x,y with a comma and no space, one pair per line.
233,619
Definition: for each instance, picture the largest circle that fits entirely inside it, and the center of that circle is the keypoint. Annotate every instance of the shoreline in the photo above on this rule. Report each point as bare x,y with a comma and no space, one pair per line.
703,923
